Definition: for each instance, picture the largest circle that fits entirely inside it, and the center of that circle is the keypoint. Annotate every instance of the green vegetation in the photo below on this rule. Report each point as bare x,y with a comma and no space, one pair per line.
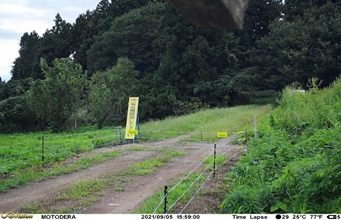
55,99
20,151
220,159
295,165
84,191
150,165
109,92
204,124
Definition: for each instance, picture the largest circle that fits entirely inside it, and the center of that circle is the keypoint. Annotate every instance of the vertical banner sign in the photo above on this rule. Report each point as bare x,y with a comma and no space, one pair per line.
132,118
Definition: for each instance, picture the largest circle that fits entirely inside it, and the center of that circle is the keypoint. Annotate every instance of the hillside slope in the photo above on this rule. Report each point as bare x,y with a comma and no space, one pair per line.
295,164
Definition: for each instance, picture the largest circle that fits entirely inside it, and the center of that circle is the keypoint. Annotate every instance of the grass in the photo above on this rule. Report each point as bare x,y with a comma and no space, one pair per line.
219,160
83,191
19,151
146,167
294,166
150,165
204,124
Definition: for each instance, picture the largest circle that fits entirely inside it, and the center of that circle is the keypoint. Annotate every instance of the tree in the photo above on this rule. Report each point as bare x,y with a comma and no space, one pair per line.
56,98
25,64
83,32
128,37
294,9
299,50
57,42
14,88
102,8
259,15
118,8
15,115
96,23
110,90
192,62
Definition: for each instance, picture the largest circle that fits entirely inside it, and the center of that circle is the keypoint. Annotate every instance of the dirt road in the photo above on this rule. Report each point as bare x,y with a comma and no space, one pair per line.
136,190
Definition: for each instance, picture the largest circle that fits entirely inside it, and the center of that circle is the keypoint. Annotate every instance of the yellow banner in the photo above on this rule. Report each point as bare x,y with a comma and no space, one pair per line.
132,117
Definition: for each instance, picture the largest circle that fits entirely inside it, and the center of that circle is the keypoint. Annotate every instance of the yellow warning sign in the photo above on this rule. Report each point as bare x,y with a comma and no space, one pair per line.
133,132
222,135
131,118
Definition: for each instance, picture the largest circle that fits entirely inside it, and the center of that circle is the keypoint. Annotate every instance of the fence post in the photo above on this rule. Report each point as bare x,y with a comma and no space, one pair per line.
120,134
115,135
255,126
42,151
165,200
215,156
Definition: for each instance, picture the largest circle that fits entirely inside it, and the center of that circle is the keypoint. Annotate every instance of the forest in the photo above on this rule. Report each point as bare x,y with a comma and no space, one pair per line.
83,73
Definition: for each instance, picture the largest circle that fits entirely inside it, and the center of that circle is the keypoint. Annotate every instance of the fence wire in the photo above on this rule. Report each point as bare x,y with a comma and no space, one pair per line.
29,157
51,151
202,185
208,177
196,180
211,173
181,181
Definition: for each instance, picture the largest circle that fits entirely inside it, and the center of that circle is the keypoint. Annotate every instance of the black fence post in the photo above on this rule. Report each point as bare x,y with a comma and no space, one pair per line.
165,200
42,151
215,156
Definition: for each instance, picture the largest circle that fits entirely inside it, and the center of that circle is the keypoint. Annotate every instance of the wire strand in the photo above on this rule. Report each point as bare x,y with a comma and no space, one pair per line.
181,181
190,186
196,192
205,183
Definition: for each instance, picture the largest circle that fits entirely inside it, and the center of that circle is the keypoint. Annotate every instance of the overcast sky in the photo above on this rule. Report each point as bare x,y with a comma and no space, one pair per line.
20,16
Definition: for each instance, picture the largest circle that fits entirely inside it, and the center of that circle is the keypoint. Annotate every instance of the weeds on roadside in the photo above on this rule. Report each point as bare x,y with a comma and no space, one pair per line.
295,165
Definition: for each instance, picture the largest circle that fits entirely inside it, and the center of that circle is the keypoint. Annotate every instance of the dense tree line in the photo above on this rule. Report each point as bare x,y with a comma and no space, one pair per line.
83,73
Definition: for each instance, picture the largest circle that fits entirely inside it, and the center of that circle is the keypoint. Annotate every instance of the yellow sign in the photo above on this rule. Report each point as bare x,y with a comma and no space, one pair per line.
133,132
132,117
222,135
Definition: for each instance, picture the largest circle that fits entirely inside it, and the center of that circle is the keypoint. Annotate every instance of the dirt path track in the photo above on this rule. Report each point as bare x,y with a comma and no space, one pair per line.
136,191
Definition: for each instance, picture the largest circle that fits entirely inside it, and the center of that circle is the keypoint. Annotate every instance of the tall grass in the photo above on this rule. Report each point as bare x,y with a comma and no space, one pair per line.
204,124
295,165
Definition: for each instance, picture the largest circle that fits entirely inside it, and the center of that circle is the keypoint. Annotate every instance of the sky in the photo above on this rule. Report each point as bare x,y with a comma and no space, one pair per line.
20,16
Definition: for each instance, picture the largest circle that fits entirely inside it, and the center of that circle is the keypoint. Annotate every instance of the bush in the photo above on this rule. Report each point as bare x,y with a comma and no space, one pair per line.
295,165
15,115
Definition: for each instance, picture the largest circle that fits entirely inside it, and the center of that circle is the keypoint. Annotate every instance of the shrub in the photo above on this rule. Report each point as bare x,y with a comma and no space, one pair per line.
295,165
